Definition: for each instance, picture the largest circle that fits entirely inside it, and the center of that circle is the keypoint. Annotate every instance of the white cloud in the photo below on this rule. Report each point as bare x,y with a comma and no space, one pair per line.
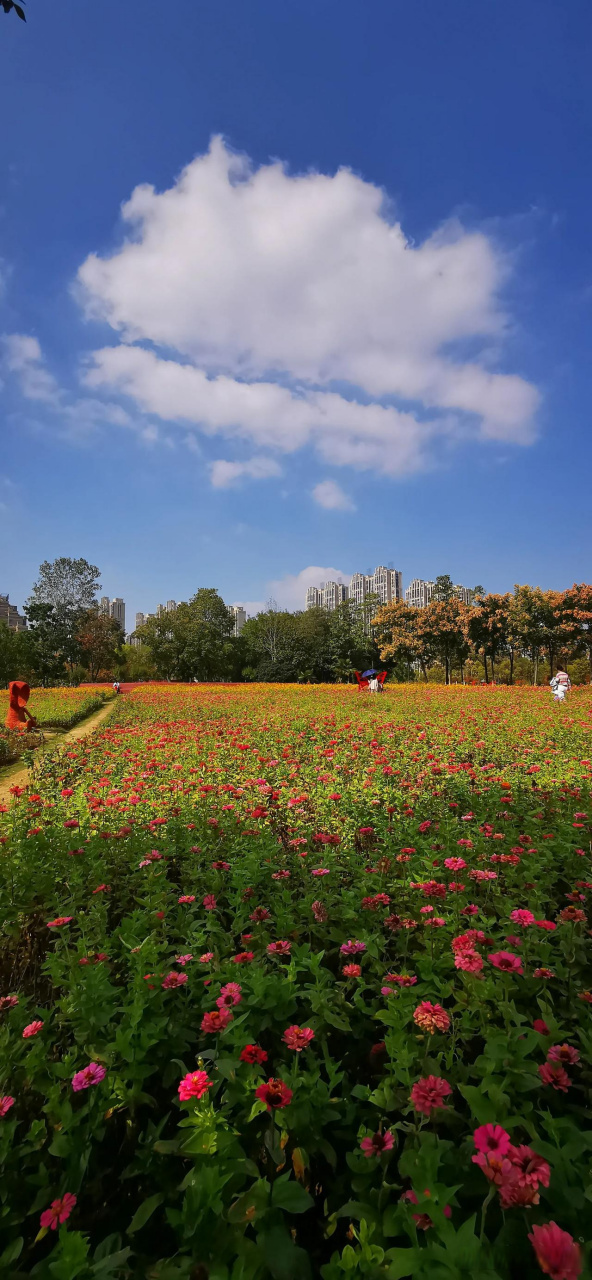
330,495
224,474
23,357
267,288
290,591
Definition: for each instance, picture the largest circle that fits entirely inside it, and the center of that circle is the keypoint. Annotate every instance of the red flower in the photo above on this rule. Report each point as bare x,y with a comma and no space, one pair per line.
492,1140
59,921
541,1027
556,1251
275,1094
252,1053
174,980
351,970
33,1029
428,1094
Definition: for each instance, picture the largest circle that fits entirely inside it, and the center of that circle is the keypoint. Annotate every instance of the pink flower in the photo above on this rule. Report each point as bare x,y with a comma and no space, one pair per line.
492,1140
8,1002
209,902
431,1017
554,1074
401,979
506,961
6,1102
352,948
280,948
320,871
230,994
188,897
540,1026
32,1030
194,1085
563,1053
298,1038
93,1074
216,1021
455,864
275,1094
59,921
377,1144
206,957
174,980
183,960
469,961
351,970
59,1211
556,1251
522,917
428,1094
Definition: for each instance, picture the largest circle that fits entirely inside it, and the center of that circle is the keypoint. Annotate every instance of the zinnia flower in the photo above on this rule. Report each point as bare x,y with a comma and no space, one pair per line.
59,1211
194,1085
174,980
352,947
522,917
556,1251
554,1074
563,1053
431,1017
377,1144
506,961
428,1094
298,1038
275,1094
253,1053
216,1021
59,921
93,1074
230,994
6,1102
32,1029
351,970
492,1140
281,948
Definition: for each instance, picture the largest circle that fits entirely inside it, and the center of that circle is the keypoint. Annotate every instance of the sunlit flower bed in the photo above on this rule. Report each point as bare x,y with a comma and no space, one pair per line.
66,707
296,982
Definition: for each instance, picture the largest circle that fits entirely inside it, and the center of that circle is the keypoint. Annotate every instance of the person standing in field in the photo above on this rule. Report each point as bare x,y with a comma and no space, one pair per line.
18,717
560,684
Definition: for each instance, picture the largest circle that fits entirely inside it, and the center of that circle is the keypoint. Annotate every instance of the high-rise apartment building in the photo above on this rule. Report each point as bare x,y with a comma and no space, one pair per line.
240,617
387,584
105,606
314,597
466,594
334,594
11,616
359,587
117,611
419,593
140,620
171,605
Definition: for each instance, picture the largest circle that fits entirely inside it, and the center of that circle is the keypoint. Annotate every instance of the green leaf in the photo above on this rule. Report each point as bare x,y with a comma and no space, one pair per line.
11,1252
482,1108
284,1259
291,1196
402,1262
145,1212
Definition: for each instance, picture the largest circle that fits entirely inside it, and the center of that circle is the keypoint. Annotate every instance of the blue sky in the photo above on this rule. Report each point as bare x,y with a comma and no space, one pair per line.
355,331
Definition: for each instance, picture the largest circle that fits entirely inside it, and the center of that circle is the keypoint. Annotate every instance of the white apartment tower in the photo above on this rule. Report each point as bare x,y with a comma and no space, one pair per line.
419,593
334,594
314,597
240,617
387,584
140,620
117,611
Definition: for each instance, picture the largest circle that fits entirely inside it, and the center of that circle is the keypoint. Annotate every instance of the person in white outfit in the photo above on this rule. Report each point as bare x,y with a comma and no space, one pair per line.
560,684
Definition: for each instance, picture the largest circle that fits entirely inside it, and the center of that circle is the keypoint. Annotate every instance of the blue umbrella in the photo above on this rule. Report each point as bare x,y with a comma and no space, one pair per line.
367,674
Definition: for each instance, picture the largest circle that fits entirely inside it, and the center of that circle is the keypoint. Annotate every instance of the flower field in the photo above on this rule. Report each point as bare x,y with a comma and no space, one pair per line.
296,982
53,708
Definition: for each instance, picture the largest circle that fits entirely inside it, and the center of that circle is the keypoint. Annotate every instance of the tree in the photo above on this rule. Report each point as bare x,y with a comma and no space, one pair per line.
99,638
444,625
48,643
193,643
70,588
489,627
402,636
576,609
443,588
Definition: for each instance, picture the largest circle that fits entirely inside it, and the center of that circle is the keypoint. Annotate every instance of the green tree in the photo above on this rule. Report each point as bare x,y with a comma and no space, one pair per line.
49,643
70,587
194,642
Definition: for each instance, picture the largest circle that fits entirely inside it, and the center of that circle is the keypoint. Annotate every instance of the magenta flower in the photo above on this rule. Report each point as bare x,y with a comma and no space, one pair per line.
93,1074
230,994
352,947
506,961
377,1144
174,980
429,1094
194,1085
59,1211
6,1102
492,1140
209,902
298,1038
556,1251
522,917
59,921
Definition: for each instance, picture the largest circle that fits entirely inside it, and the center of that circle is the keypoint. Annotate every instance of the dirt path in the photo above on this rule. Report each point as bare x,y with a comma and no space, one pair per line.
17,775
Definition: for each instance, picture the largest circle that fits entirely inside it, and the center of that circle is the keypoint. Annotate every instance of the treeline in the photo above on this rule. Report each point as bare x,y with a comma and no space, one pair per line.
523,636
527,633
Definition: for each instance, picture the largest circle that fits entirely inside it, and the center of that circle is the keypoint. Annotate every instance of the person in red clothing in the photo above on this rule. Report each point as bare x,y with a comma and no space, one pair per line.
18,717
